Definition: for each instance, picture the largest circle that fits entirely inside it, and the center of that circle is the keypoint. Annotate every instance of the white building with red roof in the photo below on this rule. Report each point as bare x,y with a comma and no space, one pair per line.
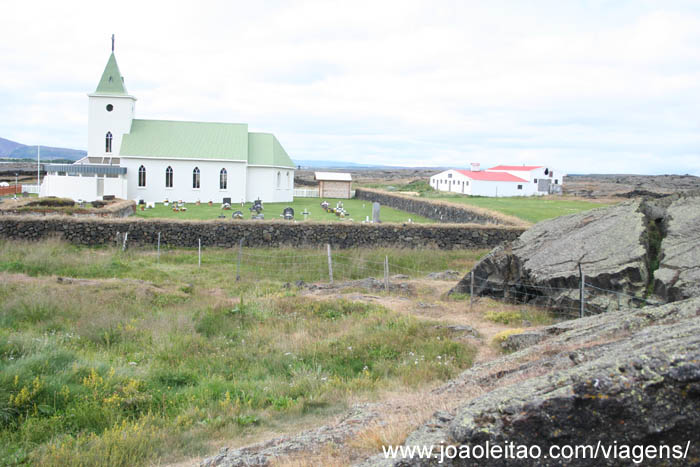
501,180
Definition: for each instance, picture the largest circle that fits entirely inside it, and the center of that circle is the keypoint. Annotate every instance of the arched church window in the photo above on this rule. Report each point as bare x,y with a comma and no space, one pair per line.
279,179
223,182
288,184
142,176
108,142
169,177
195,178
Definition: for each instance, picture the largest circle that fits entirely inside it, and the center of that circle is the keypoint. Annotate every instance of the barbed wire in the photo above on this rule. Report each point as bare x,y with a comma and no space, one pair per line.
294,266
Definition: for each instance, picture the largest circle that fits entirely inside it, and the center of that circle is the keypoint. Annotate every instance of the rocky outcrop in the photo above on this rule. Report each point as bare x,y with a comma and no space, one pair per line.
619,249
629,378
678,275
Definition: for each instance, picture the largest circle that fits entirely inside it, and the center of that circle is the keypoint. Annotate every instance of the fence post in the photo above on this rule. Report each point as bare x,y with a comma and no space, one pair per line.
158,246
386,273
126,235
471,290
199,248
117,239
238,263
581,291
330,263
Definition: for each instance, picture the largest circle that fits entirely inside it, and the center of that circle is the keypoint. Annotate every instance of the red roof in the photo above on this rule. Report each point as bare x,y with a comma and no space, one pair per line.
491,176
521,168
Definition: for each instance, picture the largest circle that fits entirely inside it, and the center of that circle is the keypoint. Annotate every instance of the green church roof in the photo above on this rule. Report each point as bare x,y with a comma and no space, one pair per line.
112,82
264,149
202,140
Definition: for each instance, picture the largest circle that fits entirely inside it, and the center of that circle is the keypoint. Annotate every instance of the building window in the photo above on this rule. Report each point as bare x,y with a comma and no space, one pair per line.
279,179
169,177
222,179
520,187
108,142
535,180
556,181
449,175
289,185
195,178
142,176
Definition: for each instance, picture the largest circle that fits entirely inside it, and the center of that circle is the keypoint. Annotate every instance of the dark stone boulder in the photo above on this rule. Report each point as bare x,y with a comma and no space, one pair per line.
633,379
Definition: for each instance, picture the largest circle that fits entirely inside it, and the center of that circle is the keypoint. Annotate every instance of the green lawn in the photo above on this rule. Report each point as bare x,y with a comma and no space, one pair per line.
531,208
358,210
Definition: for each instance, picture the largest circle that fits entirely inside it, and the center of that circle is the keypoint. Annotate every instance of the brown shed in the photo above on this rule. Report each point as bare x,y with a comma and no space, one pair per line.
333,184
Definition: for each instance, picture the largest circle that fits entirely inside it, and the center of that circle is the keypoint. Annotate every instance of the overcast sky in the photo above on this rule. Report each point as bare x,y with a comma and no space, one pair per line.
585,86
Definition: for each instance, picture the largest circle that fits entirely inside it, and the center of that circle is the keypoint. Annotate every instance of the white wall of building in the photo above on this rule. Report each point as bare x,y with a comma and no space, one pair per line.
83,187
452,181
182,189
101,121
270,184
533,176
499,189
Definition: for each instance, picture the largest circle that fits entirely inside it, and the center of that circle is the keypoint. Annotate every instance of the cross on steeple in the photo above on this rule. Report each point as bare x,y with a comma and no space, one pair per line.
112,43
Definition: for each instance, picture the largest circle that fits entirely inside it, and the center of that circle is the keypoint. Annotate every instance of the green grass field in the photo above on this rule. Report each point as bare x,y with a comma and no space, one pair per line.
131,359
532,208
358,210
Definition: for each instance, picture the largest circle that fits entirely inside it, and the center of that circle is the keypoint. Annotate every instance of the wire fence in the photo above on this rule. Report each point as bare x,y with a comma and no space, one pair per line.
578,297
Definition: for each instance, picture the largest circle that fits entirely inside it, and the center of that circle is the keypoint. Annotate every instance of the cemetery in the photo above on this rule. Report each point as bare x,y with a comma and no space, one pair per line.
354,210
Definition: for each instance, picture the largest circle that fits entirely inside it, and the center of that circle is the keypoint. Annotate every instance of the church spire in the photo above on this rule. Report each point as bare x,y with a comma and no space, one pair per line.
112,81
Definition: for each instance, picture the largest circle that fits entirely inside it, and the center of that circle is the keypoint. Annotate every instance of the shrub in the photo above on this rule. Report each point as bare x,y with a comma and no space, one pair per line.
504,317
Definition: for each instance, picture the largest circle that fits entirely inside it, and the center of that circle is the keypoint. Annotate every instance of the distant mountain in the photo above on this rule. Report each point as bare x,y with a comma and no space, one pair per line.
13,150
47,152
340,165
7,146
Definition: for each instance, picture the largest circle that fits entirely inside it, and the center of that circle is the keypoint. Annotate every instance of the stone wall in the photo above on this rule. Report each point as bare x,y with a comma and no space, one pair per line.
437,210
227,233
118,209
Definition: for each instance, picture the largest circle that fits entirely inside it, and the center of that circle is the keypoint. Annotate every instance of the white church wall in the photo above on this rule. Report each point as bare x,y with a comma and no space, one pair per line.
182,189
101,121
80,187
263,183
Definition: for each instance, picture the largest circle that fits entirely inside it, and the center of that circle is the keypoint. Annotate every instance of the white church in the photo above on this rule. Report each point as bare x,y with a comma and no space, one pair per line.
155,160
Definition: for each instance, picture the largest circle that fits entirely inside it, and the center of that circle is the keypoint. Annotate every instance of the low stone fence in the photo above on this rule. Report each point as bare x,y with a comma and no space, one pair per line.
119,208
227,233
442,211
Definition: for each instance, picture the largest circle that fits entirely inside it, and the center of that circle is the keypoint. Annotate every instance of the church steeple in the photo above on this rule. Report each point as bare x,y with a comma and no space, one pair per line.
112,81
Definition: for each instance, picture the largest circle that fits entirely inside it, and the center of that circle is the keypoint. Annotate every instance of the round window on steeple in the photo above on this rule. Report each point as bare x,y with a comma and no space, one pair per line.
110,107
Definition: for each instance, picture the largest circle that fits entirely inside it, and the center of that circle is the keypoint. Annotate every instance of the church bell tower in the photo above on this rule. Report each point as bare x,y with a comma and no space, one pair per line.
110,112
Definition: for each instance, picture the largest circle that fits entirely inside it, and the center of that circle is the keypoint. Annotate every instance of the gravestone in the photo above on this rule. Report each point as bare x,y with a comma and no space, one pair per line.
375,213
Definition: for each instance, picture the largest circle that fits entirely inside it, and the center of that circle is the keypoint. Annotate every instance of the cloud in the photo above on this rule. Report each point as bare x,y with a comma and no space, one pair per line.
585,86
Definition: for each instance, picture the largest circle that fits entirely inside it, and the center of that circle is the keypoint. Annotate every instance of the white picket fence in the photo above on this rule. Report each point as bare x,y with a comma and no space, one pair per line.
306,192
30,188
